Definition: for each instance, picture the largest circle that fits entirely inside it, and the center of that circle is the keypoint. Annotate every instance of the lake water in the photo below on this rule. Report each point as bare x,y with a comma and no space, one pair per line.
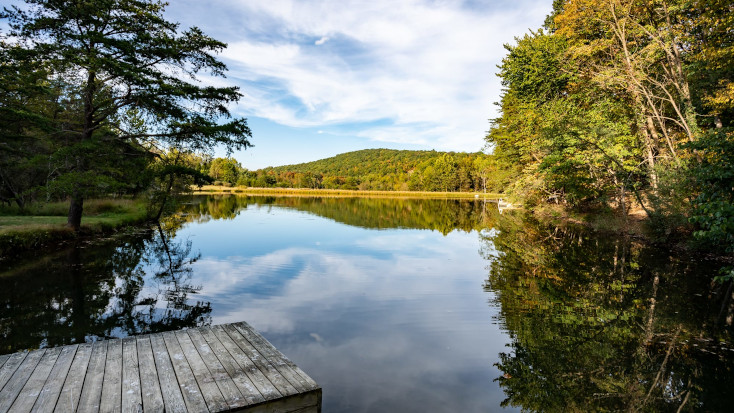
402,305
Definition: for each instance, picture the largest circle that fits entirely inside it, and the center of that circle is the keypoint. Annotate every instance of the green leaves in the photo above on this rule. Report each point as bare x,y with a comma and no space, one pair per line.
129,82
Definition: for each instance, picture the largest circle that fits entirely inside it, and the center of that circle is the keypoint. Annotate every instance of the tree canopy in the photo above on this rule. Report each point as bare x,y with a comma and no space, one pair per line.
620,103
124,86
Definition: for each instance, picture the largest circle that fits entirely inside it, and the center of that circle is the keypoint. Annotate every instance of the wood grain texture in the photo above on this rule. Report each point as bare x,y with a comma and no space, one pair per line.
32,388
10,366
132,399
239,376
186,381
52,388
266,388
112,385
92,387
275,357
227,386
280,382
209,369
19,378
209,389
68,400
150,385
170,389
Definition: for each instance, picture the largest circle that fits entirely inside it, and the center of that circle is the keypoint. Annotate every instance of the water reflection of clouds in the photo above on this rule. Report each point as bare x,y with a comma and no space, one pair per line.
390,321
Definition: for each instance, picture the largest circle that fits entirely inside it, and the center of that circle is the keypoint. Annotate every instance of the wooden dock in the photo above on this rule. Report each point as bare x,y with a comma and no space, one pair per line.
225,368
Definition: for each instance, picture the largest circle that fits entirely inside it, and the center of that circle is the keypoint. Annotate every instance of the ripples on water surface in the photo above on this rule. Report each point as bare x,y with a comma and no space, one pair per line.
402,305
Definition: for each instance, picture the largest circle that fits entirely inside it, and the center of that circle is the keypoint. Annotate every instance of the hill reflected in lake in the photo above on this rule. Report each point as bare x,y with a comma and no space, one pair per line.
443,215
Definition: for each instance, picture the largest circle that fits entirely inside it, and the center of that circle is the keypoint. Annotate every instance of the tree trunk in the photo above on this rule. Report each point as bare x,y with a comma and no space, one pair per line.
76,207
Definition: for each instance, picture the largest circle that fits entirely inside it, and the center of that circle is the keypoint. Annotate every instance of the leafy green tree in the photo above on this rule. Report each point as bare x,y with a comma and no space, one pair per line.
713,178
225,169
123,54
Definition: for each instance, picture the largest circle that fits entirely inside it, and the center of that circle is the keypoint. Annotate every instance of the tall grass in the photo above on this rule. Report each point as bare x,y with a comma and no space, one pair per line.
92,207
43,224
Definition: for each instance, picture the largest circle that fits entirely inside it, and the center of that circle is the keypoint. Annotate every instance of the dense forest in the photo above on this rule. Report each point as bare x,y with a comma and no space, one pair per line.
625,104
368,169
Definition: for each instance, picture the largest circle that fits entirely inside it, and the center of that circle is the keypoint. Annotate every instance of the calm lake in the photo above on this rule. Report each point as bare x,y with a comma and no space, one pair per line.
402,305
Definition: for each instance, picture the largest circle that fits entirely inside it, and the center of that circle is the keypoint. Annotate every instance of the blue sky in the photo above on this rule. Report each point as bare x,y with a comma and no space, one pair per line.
325,77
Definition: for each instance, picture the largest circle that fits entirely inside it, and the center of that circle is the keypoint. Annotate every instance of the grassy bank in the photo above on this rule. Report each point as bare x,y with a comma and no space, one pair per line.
45,224
215,189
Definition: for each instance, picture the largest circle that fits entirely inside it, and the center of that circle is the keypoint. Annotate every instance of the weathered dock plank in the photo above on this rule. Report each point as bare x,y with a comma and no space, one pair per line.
18,380
228,368
68,400
276,358
3,359
52,388
9,367
151,391
264,386
239,375
187,382
170,389
231,393
92,387
112,384
280,382
209,389
32,388
132,399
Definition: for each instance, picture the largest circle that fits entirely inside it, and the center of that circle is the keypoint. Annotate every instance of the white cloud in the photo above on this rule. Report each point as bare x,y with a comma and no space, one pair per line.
410,72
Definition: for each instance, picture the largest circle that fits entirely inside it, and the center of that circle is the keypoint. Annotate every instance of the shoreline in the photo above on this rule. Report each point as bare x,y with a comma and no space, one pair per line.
21,233
239,190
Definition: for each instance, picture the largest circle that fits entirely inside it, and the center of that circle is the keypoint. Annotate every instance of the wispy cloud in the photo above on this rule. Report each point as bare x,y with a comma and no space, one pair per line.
416,71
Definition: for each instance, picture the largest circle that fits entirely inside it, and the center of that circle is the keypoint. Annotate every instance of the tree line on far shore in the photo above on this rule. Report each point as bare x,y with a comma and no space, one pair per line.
368,169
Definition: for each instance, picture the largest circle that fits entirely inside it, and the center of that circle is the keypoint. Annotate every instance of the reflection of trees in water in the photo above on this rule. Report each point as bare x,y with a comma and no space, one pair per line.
104,290
443,215
605,324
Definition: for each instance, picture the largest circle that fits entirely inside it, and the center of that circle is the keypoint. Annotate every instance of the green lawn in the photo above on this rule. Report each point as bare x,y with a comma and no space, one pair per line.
46,223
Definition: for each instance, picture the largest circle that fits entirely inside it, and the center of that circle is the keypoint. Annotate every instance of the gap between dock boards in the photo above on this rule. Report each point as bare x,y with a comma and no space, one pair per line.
223,368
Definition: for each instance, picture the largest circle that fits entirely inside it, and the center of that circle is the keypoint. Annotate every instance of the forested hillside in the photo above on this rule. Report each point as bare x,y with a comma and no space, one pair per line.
370,169
625,103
